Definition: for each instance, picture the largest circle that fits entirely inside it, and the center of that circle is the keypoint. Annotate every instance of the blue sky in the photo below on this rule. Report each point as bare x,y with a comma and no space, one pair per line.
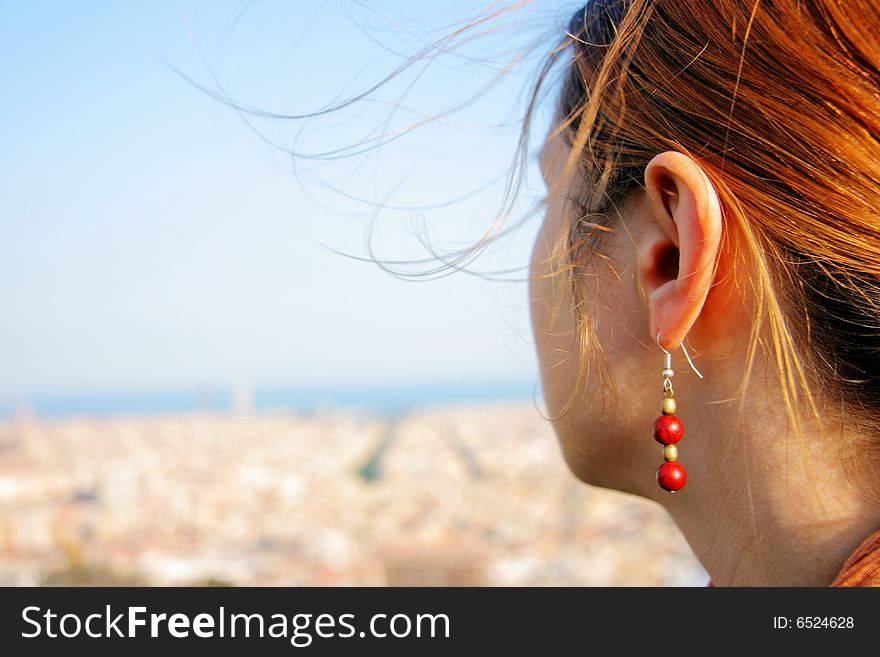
153,237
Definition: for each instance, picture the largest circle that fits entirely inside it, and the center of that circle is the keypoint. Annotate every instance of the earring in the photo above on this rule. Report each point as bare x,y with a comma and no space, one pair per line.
668,429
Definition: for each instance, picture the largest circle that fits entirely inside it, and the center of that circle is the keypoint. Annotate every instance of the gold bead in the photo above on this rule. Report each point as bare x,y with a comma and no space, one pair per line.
668,406
670,453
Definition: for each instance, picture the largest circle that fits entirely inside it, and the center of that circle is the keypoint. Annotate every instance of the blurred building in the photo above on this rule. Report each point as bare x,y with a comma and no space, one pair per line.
452,564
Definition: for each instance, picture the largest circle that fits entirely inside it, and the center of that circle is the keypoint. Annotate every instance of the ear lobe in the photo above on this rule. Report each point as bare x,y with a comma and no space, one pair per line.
677,263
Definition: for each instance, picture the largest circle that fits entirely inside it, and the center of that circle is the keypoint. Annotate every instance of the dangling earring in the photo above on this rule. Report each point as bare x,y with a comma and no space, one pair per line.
668,429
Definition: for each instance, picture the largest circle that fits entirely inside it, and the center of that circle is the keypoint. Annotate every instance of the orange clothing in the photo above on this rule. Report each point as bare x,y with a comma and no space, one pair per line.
863,567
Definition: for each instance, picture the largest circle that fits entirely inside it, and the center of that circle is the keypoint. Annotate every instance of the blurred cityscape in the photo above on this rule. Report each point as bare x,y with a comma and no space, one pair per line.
466,495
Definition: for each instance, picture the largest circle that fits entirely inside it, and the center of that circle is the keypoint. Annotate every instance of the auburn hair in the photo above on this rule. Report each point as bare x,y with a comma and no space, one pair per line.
779,102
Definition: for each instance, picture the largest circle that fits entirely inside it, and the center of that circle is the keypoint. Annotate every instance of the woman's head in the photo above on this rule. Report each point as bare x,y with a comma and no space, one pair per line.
714,175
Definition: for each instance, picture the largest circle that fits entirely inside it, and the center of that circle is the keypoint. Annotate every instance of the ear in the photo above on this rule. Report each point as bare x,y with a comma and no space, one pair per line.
686,213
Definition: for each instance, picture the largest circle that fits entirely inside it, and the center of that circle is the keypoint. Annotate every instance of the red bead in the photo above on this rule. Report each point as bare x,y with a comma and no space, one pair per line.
668,429
671,476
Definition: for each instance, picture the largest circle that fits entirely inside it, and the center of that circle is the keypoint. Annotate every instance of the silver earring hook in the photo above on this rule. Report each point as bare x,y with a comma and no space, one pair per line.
686,355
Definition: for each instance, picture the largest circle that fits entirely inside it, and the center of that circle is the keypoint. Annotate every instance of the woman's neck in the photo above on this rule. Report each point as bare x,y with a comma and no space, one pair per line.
760,515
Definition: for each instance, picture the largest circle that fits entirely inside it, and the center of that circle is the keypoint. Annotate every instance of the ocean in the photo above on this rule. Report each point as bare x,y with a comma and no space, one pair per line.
382,399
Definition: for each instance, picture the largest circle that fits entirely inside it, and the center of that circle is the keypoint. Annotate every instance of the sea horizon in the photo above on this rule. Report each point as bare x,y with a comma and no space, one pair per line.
385,399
